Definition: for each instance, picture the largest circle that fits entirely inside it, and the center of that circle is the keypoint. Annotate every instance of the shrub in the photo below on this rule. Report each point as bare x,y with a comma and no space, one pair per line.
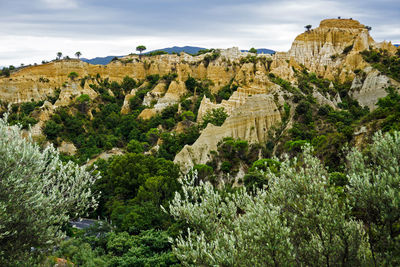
73,75
41,195
215,116
299,220
188,115
135,146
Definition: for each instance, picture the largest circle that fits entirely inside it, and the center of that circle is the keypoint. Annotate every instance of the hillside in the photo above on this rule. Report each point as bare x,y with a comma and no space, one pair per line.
234,119
326,63
175,49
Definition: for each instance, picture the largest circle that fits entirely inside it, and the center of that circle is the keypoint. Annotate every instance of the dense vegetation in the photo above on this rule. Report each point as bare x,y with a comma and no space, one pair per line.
383,61
38,195
301,218
142,202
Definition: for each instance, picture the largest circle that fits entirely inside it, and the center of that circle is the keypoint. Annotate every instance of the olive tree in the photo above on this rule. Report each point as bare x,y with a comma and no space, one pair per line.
38,195
321,229
229,229
299,220
374,189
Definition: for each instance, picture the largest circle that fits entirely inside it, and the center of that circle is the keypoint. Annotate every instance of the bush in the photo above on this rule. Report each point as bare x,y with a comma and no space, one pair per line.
215,116
73,75
52,129
298,220
42,194
188,115
135,146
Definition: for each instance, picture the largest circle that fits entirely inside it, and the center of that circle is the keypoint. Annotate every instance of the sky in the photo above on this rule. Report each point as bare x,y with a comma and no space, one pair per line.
35,30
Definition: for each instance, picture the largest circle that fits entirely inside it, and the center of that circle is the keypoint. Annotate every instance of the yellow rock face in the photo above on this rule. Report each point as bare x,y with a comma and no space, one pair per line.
331,50
250,122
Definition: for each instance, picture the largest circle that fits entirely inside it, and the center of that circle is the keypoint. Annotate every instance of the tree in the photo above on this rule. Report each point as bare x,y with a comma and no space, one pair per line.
59,55
253,50
38,195
308,27
5,72
82,103
369,28
299,220
375,194
140,48
78,54
216,116
73,75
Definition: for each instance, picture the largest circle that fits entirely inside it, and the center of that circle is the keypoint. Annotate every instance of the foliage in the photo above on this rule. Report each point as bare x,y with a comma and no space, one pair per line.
225,92
300,220
73,75
187,115
384,62
134,186
156,53
135,146
38,195
22,114
216,116
82,102
172,143
253,50
91,248
211,57
388,111
375,194
140,48
5,72
204,51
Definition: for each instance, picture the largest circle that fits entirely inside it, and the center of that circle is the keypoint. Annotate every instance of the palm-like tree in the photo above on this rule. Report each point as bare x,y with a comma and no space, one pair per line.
78,54
140,48
308,27
59,55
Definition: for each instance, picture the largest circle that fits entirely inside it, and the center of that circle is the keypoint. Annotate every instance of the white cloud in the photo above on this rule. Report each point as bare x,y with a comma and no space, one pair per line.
60,4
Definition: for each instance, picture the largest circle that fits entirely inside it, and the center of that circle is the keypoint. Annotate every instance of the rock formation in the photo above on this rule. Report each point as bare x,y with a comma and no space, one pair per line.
331,50
250,122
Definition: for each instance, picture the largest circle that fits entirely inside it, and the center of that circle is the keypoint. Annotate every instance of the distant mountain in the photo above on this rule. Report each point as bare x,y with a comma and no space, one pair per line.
179,49
99,60
397,45
262,51
169,50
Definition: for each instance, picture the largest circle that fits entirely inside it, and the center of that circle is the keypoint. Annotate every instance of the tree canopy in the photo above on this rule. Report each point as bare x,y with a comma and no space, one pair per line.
38,195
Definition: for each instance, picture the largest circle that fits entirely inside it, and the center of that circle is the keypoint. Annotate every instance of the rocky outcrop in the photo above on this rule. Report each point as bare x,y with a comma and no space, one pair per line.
250,122
70,91
322,50
106,155
238,98
331,50
374,86
155,94
67,148
147,113
125,106
175,91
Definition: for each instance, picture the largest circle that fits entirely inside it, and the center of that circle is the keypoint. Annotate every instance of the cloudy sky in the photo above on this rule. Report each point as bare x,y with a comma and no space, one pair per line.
35,30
